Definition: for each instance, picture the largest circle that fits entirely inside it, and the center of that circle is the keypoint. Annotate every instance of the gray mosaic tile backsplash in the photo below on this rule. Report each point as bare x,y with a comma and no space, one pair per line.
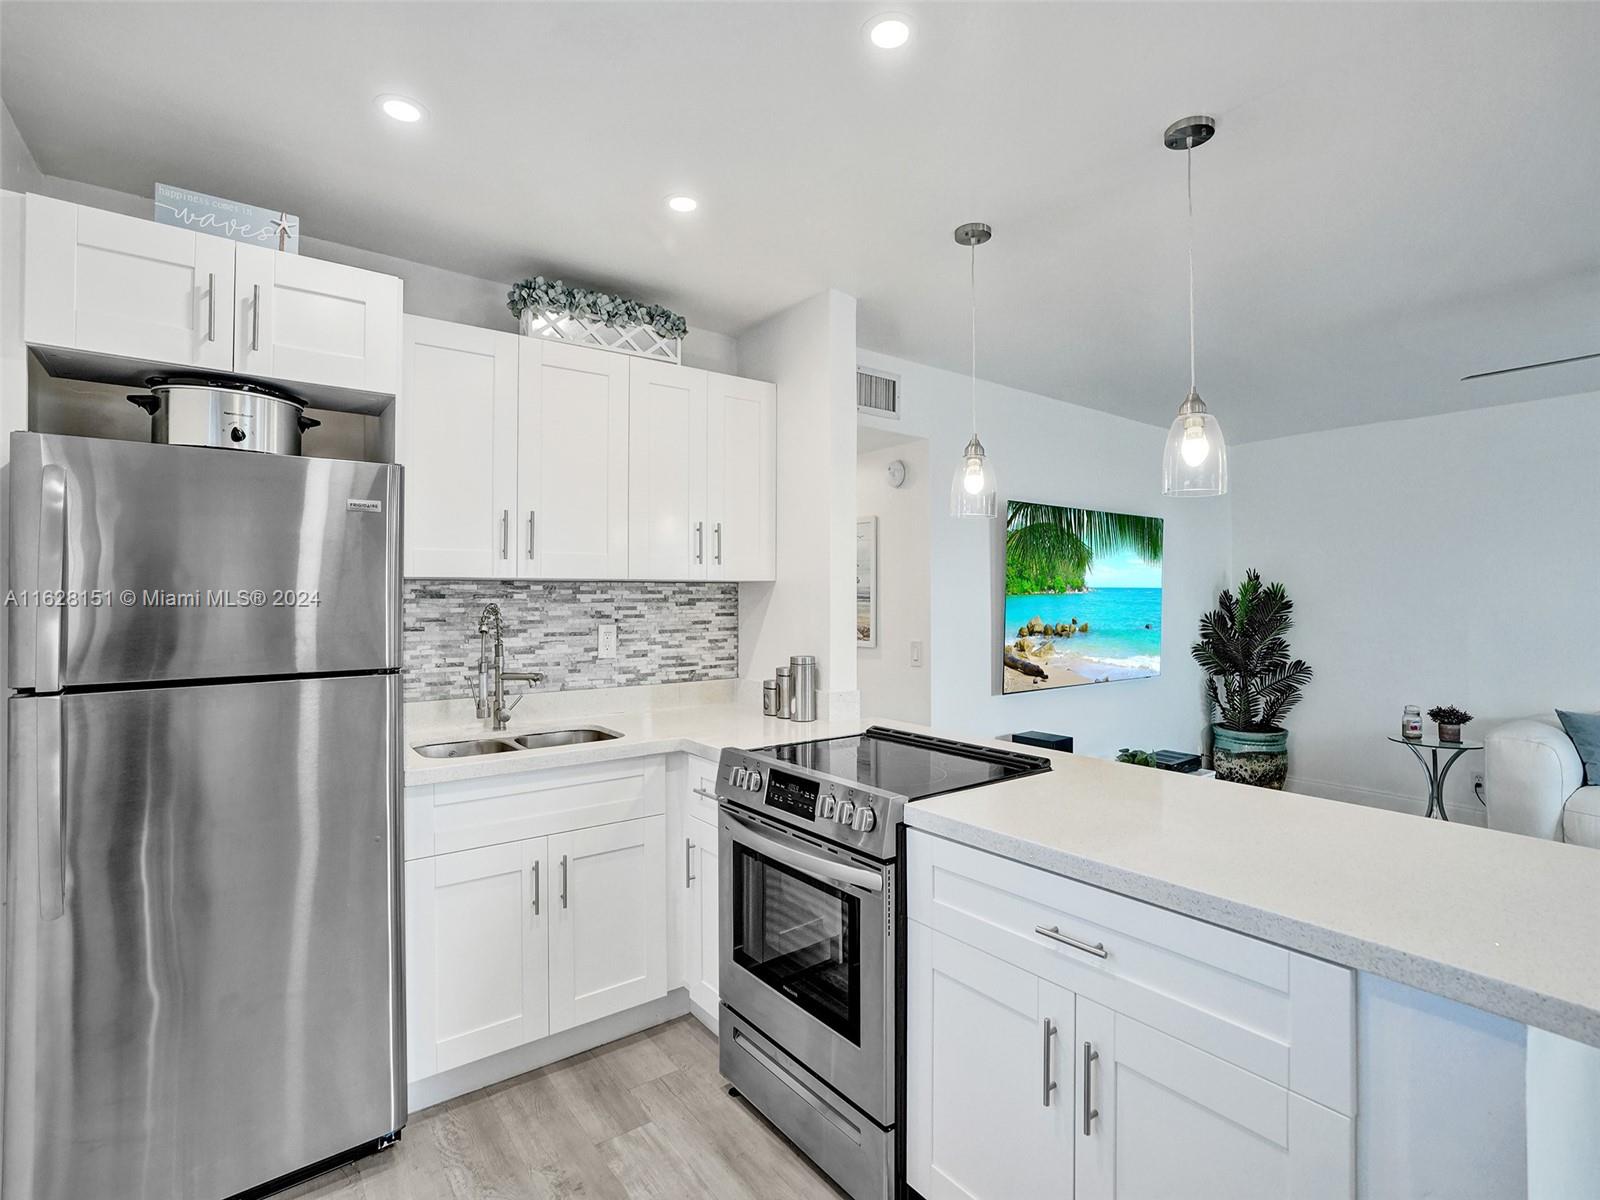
666,633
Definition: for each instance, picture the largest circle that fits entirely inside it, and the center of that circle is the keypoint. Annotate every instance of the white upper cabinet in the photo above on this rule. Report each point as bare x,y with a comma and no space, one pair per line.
458,443
103,283
741,494
307,320
571,520
667,472
115,287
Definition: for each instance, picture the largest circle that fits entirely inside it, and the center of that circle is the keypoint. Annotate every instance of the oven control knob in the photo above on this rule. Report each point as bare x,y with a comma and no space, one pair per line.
847,812
829,808
753,780
866,820
737,777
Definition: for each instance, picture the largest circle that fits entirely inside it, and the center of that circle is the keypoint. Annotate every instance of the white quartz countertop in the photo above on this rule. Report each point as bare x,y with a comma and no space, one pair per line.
696,729
1505,923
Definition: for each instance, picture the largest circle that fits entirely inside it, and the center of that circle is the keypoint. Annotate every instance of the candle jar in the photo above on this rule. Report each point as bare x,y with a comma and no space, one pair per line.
1411,723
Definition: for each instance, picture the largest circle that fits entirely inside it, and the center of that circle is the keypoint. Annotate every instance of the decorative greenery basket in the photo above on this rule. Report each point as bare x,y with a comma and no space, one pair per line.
589,318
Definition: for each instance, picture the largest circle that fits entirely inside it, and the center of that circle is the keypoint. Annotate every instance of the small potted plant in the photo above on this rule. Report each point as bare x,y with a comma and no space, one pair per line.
1252,682
1139,758
1450,719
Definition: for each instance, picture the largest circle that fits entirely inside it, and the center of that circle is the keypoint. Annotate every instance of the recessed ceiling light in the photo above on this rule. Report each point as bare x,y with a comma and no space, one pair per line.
889,32
682,203
401,109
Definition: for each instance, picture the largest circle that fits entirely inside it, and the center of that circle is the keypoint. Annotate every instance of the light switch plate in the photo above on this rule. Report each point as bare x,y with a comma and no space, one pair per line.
608,641
916,654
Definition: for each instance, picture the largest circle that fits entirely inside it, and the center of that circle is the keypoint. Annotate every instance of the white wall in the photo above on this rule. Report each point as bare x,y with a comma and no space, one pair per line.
18,171
1444,560
808,350
1049,450
892,687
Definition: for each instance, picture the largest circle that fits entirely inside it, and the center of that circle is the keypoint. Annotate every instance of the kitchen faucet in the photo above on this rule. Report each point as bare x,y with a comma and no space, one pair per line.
492,702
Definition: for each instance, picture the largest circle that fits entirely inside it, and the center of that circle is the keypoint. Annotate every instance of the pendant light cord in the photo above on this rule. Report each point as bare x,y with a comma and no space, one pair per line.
1188,173
973,286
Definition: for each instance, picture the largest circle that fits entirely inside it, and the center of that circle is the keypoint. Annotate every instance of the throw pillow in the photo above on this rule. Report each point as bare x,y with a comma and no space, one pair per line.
1584,730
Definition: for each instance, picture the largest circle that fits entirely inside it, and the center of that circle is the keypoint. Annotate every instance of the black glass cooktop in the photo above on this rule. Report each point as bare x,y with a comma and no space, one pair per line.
912,765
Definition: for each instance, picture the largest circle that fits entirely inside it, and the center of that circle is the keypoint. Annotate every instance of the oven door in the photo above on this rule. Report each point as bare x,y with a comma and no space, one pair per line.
807,956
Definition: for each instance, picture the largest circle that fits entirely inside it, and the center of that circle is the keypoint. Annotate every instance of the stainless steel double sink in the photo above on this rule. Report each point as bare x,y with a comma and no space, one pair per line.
473,747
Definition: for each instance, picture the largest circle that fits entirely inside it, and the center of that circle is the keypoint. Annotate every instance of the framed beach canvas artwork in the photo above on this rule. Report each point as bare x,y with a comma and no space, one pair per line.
867,582
1083,597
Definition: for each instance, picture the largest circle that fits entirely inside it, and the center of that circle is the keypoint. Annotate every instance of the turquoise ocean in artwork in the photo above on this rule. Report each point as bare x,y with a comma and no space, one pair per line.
1124,627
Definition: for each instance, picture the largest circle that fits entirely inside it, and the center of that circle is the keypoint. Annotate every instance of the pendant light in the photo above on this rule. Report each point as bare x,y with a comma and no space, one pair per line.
1196,458
972,491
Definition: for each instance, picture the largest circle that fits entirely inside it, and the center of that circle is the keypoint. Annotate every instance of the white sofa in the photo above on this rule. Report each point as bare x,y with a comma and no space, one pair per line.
1533,782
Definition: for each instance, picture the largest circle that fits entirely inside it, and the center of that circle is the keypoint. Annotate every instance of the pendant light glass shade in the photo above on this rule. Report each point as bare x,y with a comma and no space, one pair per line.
1196,459
973,492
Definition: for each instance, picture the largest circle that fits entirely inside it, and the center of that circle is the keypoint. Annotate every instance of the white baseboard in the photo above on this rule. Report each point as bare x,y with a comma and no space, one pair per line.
469,1077
1414,803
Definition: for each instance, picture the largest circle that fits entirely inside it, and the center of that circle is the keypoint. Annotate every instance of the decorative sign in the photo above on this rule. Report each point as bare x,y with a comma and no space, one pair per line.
227,218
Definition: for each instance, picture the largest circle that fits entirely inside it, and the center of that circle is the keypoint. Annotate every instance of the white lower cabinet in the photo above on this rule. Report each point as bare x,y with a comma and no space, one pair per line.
477,928
702,945
989,1068
608,936
1063,1041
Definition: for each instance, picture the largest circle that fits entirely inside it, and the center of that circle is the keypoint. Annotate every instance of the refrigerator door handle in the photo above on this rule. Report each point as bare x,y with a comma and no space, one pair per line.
49,631
49,766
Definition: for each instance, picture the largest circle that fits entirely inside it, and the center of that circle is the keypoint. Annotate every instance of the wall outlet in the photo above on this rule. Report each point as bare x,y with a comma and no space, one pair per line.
1477,780
916,654
608,641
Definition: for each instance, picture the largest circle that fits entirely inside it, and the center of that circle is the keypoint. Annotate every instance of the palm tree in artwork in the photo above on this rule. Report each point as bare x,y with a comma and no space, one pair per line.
1049,544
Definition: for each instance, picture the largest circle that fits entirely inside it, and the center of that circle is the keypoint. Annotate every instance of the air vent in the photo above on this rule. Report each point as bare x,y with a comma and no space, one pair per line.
877,393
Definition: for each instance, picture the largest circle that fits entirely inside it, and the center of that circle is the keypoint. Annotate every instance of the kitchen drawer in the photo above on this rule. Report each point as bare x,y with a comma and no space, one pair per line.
443,818
701,774
1280,1015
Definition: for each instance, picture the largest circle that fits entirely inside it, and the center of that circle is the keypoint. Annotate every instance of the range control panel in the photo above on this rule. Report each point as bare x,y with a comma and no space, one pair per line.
852,816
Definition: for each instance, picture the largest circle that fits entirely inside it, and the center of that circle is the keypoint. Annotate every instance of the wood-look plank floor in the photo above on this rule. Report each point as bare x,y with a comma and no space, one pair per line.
646,1118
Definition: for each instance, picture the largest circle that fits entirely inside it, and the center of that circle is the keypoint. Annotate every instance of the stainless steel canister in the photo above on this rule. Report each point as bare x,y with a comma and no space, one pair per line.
769,698
785,692
803,672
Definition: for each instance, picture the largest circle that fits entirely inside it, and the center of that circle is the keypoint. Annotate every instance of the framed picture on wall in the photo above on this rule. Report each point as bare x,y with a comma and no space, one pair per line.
867,582
1083,597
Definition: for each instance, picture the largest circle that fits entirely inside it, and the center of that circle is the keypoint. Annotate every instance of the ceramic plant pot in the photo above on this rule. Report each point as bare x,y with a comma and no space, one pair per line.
1261,759
1449,733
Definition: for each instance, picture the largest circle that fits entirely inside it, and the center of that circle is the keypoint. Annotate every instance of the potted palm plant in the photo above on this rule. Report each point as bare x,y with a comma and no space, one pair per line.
1252,682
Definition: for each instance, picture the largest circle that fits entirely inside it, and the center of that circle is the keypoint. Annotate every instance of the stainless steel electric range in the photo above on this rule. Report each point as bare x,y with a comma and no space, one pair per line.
811,968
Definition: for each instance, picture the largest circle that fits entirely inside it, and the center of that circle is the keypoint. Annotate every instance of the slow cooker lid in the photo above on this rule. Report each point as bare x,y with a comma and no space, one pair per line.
221,383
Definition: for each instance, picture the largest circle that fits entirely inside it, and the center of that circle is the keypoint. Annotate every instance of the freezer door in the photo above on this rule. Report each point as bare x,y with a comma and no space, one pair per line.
205,937
134,563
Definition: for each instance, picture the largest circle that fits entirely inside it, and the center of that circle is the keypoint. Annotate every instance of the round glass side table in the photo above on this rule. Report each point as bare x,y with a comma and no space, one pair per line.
1432,767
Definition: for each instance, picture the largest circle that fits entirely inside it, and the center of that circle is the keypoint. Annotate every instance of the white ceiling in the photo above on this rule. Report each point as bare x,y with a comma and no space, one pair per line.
1398,195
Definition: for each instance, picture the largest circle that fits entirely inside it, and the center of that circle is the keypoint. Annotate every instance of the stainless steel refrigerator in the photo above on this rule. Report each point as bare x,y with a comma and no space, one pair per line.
203,819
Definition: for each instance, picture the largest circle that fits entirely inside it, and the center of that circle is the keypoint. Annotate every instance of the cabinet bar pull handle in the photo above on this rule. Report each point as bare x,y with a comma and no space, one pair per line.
255,318
536,887
505,533
1049,1084
716,534
711,796
688,863
699,541
211,307
1098,949
563,881
1090,1055
530,533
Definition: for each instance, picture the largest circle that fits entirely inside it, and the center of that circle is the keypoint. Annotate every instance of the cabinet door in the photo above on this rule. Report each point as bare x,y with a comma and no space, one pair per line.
572,463
1175,1121
608,941
741,452
666,471
458,434
477,937
110,284
702,954
308,320
988,1063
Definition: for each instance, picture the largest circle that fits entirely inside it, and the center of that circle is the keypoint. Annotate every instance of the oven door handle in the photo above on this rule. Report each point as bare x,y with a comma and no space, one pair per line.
813,864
